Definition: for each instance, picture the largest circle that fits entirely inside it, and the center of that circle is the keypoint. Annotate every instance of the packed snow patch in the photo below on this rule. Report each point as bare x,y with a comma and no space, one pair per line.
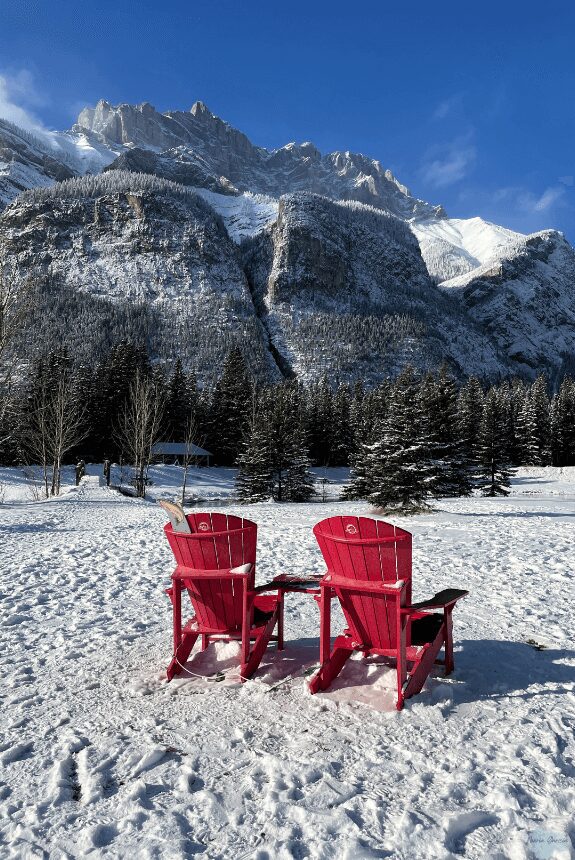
100,756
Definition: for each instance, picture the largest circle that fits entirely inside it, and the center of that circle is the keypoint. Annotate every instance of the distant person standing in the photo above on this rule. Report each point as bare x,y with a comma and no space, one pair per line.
80,471
107,471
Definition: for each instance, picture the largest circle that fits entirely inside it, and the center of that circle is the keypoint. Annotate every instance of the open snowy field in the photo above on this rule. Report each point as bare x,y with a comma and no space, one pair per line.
101,758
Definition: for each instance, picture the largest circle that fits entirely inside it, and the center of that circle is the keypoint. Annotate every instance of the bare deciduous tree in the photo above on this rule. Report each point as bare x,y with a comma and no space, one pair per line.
140,425
55,425
190,439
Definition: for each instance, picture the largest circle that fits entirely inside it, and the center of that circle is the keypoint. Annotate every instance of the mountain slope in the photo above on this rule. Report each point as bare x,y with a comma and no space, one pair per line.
37,160
311,263
342,289
137,242
456,246
525,302
227,156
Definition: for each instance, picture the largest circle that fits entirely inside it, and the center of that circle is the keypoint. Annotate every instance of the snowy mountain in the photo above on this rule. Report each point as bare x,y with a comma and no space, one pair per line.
194,239
202,141
456,246
35,160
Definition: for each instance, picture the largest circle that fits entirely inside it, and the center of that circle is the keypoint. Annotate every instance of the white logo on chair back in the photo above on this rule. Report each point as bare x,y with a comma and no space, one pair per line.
203,527
351,529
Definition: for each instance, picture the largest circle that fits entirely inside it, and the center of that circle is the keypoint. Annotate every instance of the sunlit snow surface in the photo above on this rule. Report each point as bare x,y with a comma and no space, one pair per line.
245,214
100,757
456,246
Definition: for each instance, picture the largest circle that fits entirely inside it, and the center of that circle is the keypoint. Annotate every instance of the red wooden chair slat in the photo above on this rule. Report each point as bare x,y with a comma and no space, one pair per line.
369,571
223,603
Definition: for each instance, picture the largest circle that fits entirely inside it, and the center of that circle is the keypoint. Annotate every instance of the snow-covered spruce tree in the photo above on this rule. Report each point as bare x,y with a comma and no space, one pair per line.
298,484
469,413
493,469
527,437
319,422
290,458
438,399
341,441
229,409
275,458
367,414
178,406
539,398
254,482
401,469
563,424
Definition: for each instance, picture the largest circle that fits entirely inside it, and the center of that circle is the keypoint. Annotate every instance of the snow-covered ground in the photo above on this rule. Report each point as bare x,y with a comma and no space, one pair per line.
100,757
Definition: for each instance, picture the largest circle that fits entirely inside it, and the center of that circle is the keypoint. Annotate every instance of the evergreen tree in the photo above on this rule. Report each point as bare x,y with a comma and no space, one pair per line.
298,483
563,424
400,468
255,480
527,436
275,459
367,414
341,437
469,414
438,398
539,398
229,412
494,471
178,404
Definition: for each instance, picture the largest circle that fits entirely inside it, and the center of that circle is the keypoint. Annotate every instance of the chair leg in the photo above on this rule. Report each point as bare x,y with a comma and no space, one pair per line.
324,625
181,654
330,668
280,621
449,665
205,641
249,666
401,662
422,669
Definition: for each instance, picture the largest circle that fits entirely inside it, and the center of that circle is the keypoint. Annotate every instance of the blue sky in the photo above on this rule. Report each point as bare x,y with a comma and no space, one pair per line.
470,105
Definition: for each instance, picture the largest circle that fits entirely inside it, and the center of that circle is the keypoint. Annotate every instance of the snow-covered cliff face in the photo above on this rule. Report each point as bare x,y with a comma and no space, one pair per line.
342,289
138,241
524,300
37,160
194,239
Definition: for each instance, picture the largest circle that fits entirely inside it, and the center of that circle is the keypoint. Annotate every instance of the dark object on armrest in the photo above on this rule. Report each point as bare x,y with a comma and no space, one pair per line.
292,583
424,630
442,598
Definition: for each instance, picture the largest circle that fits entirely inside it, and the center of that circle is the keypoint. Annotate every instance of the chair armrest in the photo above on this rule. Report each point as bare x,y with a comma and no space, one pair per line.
441,600
183,572
268,586
364,585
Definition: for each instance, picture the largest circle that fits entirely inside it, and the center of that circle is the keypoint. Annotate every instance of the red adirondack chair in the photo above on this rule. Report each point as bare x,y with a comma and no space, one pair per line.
369,571
216,567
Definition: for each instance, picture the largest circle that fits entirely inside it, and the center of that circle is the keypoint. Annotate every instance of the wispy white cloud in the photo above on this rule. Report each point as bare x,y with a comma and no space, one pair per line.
520,207
549,197
531,203
18,98
448,164
446,107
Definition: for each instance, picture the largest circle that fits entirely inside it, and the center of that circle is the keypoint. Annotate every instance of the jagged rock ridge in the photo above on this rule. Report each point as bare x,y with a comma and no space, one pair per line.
307,261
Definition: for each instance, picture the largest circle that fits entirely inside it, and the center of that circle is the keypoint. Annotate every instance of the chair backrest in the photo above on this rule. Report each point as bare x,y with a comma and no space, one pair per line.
217,542
360,548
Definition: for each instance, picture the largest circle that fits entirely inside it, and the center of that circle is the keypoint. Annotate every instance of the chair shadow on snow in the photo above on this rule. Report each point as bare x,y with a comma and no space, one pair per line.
492,669
518,514
485,670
